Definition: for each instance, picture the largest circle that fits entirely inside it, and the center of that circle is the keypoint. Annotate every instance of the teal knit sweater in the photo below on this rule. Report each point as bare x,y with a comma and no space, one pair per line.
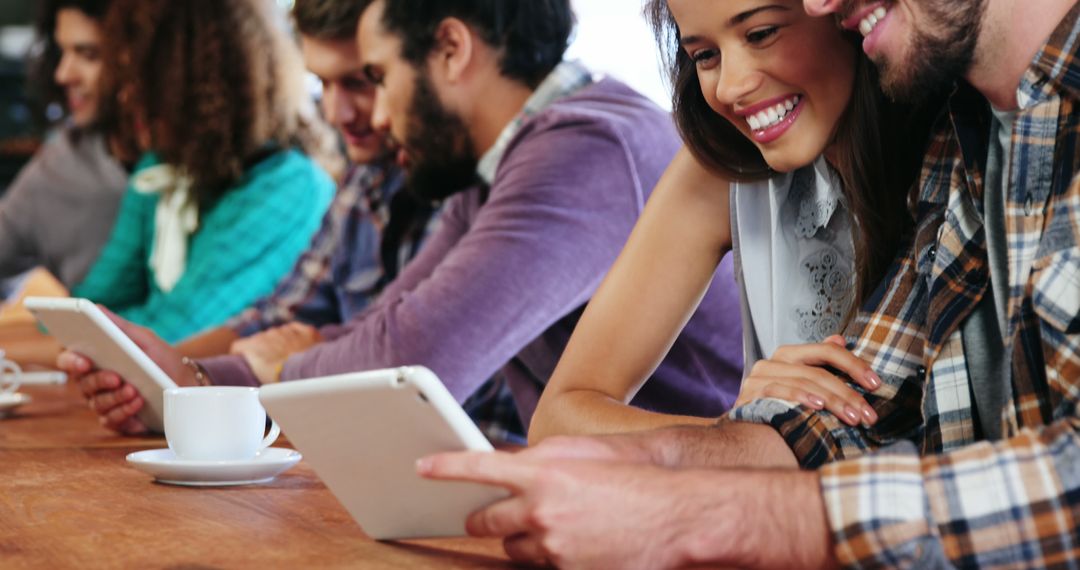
244,244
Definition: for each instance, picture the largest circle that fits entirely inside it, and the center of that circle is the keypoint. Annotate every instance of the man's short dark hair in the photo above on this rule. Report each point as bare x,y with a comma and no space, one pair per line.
531,35
328,19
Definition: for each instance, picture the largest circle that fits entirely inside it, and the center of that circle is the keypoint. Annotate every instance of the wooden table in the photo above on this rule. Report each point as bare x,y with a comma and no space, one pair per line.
68,499
20,336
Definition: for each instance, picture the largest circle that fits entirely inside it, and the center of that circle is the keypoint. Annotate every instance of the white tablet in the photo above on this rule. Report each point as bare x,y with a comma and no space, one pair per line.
80,326
363,432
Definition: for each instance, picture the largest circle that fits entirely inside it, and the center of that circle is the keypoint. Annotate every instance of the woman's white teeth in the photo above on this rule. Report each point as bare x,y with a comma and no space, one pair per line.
870,22
773,115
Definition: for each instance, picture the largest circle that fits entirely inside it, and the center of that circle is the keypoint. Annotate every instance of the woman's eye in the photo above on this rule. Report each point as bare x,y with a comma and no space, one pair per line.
758,35
705,57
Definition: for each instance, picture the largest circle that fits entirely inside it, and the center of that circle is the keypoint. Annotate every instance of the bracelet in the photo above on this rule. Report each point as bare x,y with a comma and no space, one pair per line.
201,377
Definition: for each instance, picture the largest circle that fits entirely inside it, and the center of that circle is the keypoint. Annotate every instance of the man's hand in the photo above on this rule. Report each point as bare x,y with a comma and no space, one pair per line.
572,513
267,351
114,400
599,514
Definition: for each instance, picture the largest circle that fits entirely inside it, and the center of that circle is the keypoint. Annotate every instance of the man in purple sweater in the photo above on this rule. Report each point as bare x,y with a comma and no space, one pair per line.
543,169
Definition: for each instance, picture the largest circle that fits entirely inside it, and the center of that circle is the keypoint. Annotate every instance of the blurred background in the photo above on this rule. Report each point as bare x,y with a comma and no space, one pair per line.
612,38
18,134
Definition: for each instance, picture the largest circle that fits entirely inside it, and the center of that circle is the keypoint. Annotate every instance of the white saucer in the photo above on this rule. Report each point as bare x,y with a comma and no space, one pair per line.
10,401
166,468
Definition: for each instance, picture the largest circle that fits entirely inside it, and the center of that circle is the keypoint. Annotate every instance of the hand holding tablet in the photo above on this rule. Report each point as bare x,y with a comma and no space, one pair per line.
84,328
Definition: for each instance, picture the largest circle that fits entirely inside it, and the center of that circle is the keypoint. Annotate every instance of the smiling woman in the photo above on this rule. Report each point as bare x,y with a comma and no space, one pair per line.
66,66
792,162
73,177
758,71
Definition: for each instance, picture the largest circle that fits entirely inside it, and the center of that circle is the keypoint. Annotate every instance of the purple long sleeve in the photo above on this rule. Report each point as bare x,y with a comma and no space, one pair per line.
501,283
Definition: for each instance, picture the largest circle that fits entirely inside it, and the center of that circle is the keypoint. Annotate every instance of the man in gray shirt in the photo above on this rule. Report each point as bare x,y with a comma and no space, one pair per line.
60,209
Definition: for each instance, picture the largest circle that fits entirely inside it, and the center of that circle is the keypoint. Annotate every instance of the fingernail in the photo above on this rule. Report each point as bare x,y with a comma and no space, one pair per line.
423,465
873,380
851,415
815,402
869,414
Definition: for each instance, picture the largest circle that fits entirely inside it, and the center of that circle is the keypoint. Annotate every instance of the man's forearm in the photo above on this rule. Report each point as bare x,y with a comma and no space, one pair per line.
753,519
726,444
214,342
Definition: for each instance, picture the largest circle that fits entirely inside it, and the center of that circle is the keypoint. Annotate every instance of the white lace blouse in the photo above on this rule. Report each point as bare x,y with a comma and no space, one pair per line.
794,256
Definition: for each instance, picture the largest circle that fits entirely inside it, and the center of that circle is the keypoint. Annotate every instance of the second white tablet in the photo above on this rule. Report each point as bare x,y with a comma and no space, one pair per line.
363,432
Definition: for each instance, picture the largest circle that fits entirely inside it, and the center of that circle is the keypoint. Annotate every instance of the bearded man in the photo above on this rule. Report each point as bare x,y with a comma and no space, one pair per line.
975,333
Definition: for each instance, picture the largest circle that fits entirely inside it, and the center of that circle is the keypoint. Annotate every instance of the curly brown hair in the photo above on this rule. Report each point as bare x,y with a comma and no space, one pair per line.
215,84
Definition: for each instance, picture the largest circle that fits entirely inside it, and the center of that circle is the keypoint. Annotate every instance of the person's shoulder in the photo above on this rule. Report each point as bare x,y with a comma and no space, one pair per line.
79,150
605,115
607,103
288,170
72,164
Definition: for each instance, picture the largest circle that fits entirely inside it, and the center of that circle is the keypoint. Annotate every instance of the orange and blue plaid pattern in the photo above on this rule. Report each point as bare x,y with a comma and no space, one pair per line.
921,488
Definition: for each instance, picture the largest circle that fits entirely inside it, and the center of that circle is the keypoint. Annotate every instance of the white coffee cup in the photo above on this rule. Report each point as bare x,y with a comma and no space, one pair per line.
10,375
216,423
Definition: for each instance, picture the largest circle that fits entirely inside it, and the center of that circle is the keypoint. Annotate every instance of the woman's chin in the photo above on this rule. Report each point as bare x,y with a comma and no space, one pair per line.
788,162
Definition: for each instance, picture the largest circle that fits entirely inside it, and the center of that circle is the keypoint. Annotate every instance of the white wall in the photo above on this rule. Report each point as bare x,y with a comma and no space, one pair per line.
613,37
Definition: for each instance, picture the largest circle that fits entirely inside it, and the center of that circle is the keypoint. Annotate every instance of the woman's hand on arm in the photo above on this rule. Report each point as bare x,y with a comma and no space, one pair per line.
640,308
798,373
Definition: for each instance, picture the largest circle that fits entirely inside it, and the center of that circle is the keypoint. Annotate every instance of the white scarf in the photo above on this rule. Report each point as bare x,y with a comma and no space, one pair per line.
175,220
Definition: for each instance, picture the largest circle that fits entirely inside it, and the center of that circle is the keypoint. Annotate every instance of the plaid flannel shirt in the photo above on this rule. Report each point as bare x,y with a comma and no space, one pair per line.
330,283
933,493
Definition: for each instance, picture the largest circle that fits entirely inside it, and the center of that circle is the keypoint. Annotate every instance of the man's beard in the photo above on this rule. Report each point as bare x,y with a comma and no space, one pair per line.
942,49
443,157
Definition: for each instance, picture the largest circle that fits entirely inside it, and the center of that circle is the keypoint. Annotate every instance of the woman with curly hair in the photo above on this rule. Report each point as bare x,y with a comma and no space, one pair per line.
225,195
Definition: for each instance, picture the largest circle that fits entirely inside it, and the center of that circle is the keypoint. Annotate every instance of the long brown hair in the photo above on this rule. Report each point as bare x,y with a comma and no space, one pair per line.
216,83
879,144
45,57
